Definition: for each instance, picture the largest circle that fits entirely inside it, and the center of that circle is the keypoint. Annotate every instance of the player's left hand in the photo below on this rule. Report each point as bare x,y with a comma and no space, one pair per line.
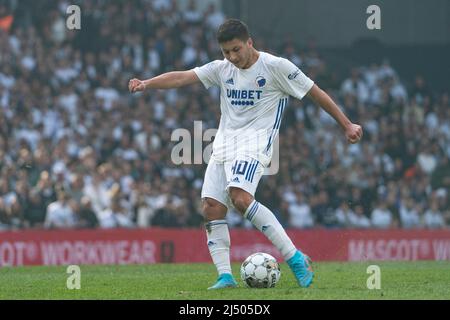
353,133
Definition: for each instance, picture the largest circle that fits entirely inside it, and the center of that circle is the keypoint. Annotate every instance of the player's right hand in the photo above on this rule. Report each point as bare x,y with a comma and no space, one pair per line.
135,85
353,133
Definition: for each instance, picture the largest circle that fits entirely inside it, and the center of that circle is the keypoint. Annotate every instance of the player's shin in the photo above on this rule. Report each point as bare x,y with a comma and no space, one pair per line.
218,237
266,222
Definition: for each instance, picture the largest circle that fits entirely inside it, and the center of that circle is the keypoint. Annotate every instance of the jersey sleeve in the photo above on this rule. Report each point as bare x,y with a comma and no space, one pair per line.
209,73
291,79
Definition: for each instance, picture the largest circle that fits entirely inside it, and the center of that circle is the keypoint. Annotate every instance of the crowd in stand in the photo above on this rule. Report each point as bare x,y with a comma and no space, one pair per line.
78,151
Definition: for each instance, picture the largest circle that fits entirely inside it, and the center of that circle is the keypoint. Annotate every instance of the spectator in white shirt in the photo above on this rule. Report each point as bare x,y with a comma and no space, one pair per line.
106,93
381,216
116,216
213,17
409,214
357,218
97,191
192,14
343,214
59,213
433,217
355,87
300,213
427,160
144,213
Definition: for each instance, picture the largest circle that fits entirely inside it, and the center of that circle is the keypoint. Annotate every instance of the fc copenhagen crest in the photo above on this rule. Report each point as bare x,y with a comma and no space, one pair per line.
260,81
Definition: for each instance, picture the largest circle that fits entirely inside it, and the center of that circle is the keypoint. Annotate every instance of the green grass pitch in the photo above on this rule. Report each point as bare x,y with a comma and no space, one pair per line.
399,280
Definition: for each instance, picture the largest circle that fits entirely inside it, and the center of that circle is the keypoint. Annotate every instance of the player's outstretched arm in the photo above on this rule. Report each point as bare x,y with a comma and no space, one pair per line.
173,79
353,132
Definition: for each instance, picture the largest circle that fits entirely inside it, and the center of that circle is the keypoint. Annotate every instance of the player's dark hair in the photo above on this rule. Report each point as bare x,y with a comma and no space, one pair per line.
232,29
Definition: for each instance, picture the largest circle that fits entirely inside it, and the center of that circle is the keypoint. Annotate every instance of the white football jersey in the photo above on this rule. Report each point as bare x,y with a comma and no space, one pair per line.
252,102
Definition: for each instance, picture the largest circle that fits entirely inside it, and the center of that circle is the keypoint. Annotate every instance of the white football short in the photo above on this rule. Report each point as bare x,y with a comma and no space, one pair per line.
244,173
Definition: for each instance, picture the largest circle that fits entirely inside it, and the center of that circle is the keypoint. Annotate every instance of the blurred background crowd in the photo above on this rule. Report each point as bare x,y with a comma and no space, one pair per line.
78,151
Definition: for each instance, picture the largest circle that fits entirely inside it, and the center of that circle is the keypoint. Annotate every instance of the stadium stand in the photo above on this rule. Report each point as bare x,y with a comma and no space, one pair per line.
78,151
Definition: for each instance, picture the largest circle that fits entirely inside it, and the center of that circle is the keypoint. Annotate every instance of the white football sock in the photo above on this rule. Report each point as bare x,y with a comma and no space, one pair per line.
219,244
266,222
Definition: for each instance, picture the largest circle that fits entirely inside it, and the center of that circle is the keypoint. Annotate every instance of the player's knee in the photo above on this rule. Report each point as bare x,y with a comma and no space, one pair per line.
241,199
213,210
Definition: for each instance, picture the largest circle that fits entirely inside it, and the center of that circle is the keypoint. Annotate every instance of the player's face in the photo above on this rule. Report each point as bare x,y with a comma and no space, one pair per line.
238,52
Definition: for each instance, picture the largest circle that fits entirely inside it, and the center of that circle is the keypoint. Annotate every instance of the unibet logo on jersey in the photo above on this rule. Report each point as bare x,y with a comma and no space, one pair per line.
243,97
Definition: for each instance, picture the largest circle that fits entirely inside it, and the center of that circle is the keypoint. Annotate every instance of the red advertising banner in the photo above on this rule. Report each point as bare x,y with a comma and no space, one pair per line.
153,245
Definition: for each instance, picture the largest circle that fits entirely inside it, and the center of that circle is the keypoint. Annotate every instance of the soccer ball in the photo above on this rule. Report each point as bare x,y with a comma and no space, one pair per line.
260,270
